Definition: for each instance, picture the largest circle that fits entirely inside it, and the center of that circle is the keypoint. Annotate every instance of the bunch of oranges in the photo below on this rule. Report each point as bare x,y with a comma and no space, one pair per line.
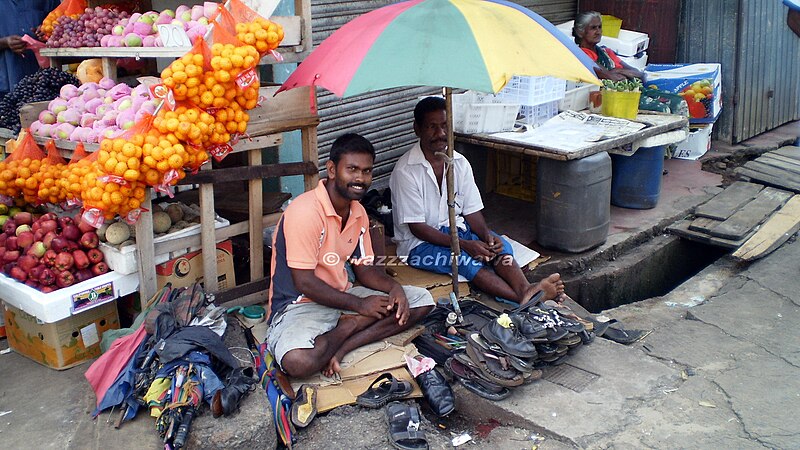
20,177
49,176
261,33
72,176
110,197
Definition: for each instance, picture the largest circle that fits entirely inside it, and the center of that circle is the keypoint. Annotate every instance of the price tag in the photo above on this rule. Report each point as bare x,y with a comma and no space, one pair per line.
173,35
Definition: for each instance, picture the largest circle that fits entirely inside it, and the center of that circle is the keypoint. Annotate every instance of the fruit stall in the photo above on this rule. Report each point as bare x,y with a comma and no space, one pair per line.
86,158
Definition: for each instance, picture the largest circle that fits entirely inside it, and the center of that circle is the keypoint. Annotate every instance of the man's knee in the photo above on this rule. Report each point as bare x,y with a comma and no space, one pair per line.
296,364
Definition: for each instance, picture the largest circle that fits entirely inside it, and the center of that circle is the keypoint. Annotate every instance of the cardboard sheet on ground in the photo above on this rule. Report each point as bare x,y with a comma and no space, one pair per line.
359,368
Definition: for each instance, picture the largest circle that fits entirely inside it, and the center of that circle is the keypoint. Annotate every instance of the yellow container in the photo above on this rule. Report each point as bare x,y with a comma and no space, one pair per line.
611,25
624,105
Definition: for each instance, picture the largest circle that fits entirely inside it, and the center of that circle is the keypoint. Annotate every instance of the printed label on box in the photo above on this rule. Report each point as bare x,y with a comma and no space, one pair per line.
93,297
89,335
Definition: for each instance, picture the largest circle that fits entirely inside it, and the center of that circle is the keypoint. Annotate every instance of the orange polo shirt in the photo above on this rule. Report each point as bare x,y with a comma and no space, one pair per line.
310,236
614,58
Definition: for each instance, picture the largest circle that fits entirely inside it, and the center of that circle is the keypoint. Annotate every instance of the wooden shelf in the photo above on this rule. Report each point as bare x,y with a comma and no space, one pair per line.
292,48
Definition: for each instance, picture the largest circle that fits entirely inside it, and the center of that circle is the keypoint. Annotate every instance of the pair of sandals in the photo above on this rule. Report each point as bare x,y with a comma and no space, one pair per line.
402,419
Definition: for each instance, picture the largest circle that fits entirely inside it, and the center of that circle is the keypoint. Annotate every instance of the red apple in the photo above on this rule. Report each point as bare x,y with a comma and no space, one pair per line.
25,239
71,232
49,258
18,274
47,277
81,260
64,279
89,239
27,262
64,261
100,268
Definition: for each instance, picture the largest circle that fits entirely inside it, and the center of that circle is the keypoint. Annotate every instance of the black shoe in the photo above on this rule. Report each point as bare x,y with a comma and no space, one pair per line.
529,327
510,339
226,400
437,392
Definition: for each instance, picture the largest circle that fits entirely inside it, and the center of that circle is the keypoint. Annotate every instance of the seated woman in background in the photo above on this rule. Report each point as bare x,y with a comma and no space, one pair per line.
588,30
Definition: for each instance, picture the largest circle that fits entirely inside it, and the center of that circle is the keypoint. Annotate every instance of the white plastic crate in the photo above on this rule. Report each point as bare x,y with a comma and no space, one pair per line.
532,90
535,115
577,98
628,43
637,63
475,112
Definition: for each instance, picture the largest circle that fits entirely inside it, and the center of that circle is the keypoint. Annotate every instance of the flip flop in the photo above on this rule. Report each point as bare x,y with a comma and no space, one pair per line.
626,337
384,389
478,389
404,432
492,369
304,406
463,371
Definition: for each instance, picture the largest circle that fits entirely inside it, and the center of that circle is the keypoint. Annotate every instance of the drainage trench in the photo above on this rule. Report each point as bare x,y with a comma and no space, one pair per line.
649,269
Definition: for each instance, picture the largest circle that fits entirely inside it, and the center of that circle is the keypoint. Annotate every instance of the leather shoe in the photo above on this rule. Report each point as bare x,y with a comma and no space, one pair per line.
226,400
509,339
437,392
529,327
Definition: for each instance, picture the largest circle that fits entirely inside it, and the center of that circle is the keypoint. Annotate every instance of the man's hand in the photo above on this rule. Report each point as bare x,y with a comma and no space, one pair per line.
478,250
494,243
397,297
376,306
13,43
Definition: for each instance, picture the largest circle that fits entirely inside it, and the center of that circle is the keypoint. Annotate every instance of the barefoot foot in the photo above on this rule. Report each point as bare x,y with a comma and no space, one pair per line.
552,286
333,367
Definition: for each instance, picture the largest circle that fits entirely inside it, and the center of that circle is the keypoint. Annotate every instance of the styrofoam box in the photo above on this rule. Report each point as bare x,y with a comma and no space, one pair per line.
629,43
57,305
577,98
637,63
696,145
124,260
532,90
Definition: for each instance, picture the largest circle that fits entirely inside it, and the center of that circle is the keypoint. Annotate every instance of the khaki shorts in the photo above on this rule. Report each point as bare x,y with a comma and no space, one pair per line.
299,324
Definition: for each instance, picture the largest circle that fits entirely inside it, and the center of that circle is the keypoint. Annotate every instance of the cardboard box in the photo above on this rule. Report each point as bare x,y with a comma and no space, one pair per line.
63,344
186,269
699,84
696,145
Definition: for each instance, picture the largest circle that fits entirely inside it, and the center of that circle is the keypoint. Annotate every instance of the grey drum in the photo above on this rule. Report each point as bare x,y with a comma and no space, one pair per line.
574,202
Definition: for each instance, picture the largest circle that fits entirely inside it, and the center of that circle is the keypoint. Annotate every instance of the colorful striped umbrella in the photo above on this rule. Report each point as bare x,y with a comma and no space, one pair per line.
469,44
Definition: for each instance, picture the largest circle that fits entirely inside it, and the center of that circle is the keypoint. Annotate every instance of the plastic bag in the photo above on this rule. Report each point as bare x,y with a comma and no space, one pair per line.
51,172
662,101
75,171
186,76
191,126
232,60
18,171
70,8
34,46
250,28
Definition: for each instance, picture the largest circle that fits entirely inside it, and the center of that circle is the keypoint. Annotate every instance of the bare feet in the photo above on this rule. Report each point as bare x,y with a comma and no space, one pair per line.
552,286
332,367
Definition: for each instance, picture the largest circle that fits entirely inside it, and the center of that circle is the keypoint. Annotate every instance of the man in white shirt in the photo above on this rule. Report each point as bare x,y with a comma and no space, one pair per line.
422,233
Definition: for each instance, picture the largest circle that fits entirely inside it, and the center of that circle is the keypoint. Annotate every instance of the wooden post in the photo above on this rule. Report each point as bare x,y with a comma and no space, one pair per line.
109,66
208,239
302,8
146,252
310,154
455,248
256,220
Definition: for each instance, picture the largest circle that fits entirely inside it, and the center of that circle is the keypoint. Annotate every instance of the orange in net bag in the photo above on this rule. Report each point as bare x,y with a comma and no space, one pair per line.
193,127
51,189
18,172
69,8
232,60
186,75
77,168
249,27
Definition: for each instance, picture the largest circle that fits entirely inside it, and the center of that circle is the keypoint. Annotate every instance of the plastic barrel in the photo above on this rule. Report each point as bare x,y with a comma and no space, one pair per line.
636,179
573,199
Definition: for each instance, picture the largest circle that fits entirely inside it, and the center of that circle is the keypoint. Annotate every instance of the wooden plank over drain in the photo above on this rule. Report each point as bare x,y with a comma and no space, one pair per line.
789,151
778,172
775,231
703,224
681,229
728,201
742,221
768,179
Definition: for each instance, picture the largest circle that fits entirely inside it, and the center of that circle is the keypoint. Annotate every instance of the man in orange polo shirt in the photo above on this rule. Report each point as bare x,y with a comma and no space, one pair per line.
316,315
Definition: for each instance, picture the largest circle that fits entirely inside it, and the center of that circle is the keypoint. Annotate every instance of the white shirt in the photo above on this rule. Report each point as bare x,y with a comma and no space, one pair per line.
416,198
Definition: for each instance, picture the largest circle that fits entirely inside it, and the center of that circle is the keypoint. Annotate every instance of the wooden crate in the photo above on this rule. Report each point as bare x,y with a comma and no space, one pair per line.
515,175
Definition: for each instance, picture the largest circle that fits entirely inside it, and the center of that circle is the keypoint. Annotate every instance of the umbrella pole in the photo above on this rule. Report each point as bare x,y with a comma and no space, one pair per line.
455,248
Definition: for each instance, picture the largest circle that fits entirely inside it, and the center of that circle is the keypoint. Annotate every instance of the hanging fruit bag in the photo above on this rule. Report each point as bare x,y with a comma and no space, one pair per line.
69,8
18,172
51,172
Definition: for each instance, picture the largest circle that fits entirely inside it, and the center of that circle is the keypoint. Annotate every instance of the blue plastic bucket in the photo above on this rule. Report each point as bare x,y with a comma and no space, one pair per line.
636,179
